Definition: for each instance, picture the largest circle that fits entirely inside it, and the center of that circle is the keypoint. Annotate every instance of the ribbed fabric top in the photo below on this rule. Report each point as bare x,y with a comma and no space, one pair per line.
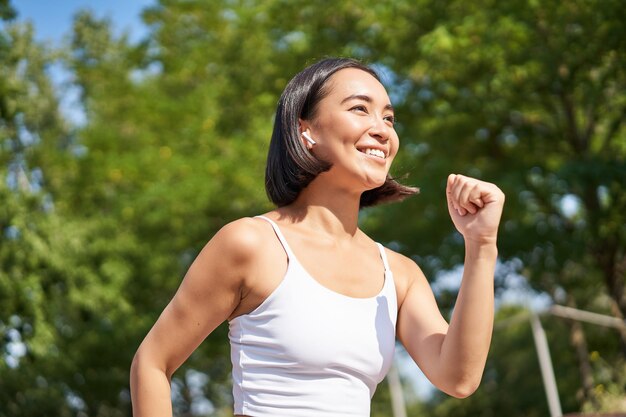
308,351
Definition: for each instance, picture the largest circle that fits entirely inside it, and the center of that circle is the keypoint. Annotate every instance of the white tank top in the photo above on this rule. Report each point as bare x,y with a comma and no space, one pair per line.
308,351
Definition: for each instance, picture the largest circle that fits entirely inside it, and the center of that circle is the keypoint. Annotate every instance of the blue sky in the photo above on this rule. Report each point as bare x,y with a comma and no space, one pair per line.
53,19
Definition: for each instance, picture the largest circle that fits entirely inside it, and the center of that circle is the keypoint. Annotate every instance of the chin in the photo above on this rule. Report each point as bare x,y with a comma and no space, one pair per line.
375,183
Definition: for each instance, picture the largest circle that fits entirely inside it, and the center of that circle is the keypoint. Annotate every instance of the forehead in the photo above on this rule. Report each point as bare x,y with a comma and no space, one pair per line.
351,81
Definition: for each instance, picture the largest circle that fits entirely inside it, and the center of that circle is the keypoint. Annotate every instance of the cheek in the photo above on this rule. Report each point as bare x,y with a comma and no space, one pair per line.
395,145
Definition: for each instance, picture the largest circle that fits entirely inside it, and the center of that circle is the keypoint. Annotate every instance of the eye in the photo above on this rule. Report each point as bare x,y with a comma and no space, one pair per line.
391,119
359,107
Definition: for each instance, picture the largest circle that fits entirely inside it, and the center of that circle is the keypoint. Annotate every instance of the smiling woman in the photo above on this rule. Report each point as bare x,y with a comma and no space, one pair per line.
291,165
314,304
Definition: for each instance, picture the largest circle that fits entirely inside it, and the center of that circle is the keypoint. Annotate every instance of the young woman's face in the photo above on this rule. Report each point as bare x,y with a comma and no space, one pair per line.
354,130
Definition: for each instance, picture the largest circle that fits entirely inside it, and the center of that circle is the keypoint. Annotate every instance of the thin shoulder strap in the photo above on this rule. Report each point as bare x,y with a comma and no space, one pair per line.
280,236
383,256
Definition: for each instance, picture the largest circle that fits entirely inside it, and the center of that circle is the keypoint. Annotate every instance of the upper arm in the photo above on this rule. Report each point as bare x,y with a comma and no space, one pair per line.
421,328
210,291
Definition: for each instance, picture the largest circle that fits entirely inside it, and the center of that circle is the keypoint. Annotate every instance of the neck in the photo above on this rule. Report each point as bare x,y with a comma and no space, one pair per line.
332,211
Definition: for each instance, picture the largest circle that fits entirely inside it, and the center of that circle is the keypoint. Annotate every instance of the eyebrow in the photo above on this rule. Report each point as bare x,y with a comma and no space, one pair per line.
364,98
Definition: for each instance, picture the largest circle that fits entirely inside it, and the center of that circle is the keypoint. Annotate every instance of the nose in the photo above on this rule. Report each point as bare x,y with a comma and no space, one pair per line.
380,129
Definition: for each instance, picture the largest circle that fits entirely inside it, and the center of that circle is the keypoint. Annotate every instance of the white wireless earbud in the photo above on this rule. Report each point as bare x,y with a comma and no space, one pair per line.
308,138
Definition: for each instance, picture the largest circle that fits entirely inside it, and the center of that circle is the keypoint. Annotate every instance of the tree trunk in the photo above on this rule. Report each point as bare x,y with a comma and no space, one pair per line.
614,281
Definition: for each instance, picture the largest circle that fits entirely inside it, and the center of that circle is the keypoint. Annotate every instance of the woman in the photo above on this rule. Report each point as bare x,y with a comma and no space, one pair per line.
314,305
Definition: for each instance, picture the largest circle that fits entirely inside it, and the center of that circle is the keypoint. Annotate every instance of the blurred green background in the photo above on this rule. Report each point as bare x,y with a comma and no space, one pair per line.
120,157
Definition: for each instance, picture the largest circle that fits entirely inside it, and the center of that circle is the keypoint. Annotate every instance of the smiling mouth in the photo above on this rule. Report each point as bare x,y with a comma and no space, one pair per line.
373,152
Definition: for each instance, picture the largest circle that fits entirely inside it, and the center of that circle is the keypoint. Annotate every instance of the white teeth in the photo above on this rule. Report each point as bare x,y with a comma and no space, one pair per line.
375,152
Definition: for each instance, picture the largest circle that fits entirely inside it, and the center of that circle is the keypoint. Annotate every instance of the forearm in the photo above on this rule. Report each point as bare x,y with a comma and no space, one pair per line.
150,390
464,348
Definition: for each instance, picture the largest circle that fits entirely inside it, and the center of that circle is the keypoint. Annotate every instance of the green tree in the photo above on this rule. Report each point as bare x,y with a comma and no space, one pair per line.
529,95
62,276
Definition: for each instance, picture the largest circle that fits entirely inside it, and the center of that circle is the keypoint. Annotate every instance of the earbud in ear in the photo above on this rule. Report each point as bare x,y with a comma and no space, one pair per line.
308,138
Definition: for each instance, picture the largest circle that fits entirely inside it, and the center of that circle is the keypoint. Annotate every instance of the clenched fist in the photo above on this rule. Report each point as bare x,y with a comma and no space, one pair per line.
475,208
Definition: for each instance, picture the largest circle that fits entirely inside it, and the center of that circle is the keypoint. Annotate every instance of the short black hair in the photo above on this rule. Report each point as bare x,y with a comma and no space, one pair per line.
290,166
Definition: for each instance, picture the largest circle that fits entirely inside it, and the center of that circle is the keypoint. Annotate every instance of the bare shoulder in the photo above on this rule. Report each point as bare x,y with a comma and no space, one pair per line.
231,256
225,267
246,253
406,273
240,240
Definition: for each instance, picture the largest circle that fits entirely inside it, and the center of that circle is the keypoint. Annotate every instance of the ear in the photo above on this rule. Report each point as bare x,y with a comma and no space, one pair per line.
305,134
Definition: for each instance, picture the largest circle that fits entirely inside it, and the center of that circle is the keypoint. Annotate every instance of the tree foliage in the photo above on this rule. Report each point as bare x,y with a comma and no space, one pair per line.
100,220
